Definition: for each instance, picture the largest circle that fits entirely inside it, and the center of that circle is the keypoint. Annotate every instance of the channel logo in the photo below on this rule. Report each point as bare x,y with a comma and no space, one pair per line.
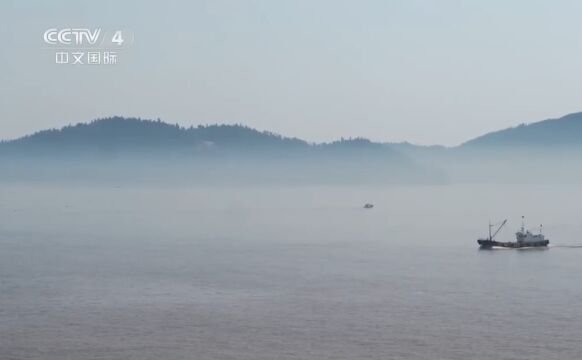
72,36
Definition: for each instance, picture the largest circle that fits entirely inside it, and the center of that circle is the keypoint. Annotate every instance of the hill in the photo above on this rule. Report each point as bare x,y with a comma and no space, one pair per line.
132,148
123,134
565,131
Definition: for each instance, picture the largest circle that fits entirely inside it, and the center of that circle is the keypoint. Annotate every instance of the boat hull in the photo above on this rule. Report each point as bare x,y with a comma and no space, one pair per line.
484,243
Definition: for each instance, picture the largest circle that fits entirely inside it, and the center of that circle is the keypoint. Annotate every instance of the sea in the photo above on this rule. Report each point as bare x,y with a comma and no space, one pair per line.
154,271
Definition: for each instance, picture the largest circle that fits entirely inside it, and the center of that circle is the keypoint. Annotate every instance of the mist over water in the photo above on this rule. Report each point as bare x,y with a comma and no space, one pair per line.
287,272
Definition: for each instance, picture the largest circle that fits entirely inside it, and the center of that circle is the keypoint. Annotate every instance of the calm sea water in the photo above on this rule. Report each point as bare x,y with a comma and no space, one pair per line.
100,272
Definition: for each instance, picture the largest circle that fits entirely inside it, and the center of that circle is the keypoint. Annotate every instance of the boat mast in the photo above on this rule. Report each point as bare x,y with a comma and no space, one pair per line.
522,224
490,238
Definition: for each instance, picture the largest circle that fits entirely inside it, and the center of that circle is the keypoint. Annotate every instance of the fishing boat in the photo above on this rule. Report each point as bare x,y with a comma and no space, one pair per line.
524,238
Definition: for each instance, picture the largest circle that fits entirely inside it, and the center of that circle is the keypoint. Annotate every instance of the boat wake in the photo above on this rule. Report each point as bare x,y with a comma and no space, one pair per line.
552,246
566,246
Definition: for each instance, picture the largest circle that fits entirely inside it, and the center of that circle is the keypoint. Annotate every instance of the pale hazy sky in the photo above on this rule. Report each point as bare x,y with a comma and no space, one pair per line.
423,71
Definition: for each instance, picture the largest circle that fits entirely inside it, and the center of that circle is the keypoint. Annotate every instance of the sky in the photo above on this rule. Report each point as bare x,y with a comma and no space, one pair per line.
427,72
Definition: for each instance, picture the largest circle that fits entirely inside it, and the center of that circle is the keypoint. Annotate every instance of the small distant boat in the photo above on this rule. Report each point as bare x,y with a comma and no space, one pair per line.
368,206
524,238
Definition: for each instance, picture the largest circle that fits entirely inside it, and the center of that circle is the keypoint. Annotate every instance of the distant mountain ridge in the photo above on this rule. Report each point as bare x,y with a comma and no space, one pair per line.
130,148
119,148
119,132
564,131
